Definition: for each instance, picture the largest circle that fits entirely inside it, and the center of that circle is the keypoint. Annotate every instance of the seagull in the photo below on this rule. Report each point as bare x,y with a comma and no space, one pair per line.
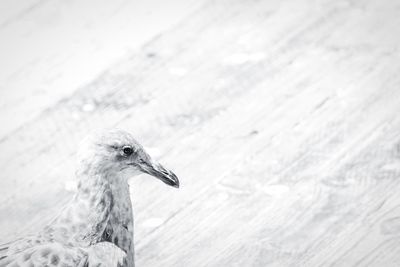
96,227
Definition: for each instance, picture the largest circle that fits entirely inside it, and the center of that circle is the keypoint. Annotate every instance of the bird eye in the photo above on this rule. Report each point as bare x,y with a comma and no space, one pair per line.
127,150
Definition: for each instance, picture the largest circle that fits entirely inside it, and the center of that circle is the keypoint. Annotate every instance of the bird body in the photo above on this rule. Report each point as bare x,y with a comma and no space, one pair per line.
96,227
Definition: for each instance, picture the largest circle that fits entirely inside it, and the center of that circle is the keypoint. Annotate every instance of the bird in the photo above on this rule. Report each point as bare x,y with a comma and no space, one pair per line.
96,227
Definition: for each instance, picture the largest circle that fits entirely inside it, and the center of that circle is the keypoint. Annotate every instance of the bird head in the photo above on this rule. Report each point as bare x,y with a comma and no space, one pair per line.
117,153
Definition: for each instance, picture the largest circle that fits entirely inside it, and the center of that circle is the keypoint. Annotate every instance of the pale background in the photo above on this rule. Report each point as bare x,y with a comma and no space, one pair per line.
281,119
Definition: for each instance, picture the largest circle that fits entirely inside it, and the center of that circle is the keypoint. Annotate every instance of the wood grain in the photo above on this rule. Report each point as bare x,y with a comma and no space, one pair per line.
279,117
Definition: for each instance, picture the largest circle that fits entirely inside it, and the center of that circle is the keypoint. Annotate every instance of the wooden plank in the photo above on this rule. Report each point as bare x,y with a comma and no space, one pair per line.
49,49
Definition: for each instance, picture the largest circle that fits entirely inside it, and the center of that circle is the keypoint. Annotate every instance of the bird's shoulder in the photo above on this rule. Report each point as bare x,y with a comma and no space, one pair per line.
32,251
37,251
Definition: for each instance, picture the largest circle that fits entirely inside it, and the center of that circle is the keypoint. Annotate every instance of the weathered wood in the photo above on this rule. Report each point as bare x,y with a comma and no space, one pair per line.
279,117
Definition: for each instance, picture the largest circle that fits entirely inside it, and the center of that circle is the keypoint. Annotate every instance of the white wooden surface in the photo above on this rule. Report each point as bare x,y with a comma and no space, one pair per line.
281,119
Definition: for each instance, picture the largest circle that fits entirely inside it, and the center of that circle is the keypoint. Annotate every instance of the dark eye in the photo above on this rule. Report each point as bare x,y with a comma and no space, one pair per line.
127,150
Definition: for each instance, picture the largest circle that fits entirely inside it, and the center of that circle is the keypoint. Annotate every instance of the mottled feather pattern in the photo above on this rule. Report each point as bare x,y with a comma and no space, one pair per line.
96,227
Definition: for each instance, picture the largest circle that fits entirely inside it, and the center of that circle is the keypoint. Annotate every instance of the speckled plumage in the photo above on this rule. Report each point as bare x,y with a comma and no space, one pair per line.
96,228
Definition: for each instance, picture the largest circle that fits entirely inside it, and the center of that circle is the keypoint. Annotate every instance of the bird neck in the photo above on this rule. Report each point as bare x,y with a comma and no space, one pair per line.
101,210
108,195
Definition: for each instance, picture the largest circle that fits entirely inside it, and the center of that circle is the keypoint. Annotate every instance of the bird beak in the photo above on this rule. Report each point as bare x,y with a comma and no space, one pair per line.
157,170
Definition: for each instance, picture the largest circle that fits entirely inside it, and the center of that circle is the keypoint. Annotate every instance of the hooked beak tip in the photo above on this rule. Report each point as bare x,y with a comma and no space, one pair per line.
176,185
170,179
